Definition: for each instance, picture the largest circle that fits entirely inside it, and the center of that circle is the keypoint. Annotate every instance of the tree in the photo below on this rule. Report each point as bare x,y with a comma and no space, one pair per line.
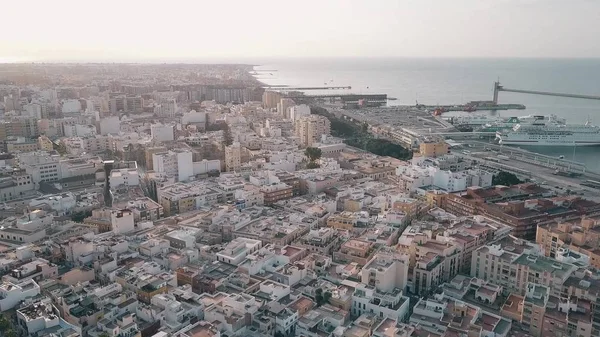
61,148
313,153
357,135
321,298
4,323
326,297
312,165
506,179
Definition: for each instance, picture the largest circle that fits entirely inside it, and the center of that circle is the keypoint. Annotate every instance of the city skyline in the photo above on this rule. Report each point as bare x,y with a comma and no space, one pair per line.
238,31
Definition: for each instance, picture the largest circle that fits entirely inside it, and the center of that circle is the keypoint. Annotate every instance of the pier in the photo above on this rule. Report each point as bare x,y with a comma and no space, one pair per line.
348,100
498,88
286,88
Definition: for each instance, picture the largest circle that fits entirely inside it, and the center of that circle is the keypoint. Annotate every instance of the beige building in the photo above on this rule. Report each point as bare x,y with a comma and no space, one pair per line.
270,99
513,263
283,107
21,145
149,151
582,236
45,144
435,263
309,129
433,148
233,157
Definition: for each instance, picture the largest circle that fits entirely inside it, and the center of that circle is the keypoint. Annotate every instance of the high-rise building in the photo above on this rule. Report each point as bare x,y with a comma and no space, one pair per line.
298,111
233,157
283,107
19,127
118,104
149,153
175,163
270,99
310,129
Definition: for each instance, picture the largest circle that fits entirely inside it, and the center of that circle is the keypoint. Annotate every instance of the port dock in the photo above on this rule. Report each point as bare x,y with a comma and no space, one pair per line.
472,106
347,100
498,88
288,88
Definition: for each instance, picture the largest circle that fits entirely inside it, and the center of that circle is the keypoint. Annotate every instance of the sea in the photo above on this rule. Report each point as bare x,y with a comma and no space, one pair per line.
441,81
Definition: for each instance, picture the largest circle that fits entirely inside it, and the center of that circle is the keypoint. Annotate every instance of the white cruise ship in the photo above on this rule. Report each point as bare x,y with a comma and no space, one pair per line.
550,132
474,120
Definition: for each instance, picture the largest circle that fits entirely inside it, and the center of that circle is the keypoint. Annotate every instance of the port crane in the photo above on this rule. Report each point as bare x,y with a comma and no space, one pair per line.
498,88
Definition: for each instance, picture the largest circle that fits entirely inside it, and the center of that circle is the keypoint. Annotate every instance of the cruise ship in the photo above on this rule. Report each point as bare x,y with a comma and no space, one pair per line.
474,120
550,132
512,121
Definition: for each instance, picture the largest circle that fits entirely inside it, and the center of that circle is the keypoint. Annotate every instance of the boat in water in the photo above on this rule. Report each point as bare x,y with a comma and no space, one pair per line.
512,121
474,120
550,131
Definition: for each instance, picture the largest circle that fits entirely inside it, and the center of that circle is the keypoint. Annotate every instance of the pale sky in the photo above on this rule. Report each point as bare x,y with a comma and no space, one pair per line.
138,30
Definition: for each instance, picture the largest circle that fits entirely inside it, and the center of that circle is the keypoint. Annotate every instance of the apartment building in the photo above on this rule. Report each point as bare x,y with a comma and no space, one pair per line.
175,164
233,157
180,198
319,241
355,250
236,251
513,263
386,271
275,192
433,148
523,216
309,129
577,236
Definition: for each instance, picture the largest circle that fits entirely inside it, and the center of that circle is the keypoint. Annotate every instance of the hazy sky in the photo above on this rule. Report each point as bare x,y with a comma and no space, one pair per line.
42,30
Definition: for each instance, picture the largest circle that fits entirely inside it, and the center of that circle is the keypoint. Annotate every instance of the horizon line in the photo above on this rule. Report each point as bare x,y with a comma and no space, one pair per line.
244,60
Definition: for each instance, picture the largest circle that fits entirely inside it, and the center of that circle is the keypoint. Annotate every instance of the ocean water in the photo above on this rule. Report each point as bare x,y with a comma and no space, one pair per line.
456,81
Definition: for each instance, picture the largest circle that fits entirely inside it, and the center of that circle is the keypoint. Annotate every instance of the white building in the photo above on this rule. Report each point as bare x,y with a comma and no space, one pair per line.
110,125
12,294
34,110
122,221
413,177
386,272
274,289
61,203
194,117
450,181
125,177
384,304
167,108
330,146
236,251
43,315
71,106
79,130
298,111
174,164
204,166
162,132
249,196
